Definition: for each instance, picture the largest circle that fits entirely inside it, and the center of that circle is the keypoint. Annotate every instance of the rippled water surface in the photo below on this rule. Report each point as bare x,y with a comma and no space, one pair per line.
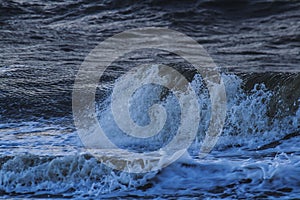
255,45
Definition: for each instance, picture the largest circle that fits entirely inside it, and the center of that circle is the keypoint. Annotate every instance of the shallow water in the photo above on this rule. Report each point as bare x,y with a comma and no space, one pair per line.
255,46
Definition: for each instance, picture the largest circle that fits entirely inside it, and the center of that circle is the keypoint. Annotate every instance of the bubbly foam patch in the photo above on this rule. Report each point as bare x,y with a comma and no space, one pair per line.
80,175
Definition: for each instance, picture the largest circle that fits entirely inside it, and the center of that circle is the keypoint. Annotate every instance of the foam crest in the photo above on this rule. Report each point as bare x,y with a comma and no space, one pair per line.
77,175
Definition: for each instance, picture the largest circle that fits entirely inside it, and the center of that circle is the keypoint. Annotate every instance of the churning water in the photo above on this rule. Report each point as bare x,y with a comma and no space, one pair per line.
255,46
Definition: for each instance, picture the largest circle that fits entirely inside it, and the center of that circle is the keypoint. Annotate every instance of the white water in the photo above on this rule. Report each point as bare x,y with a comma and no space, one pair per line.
55,164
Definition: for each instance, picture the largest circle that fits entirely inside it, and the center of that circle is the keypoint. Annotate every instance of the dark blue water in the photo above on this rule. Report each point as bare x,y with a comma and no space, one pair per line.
255,45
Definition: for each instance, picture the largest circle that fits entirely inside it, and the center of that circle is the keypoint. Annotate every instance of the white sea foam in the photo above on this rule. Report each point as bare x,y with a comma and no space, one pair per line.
238,166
